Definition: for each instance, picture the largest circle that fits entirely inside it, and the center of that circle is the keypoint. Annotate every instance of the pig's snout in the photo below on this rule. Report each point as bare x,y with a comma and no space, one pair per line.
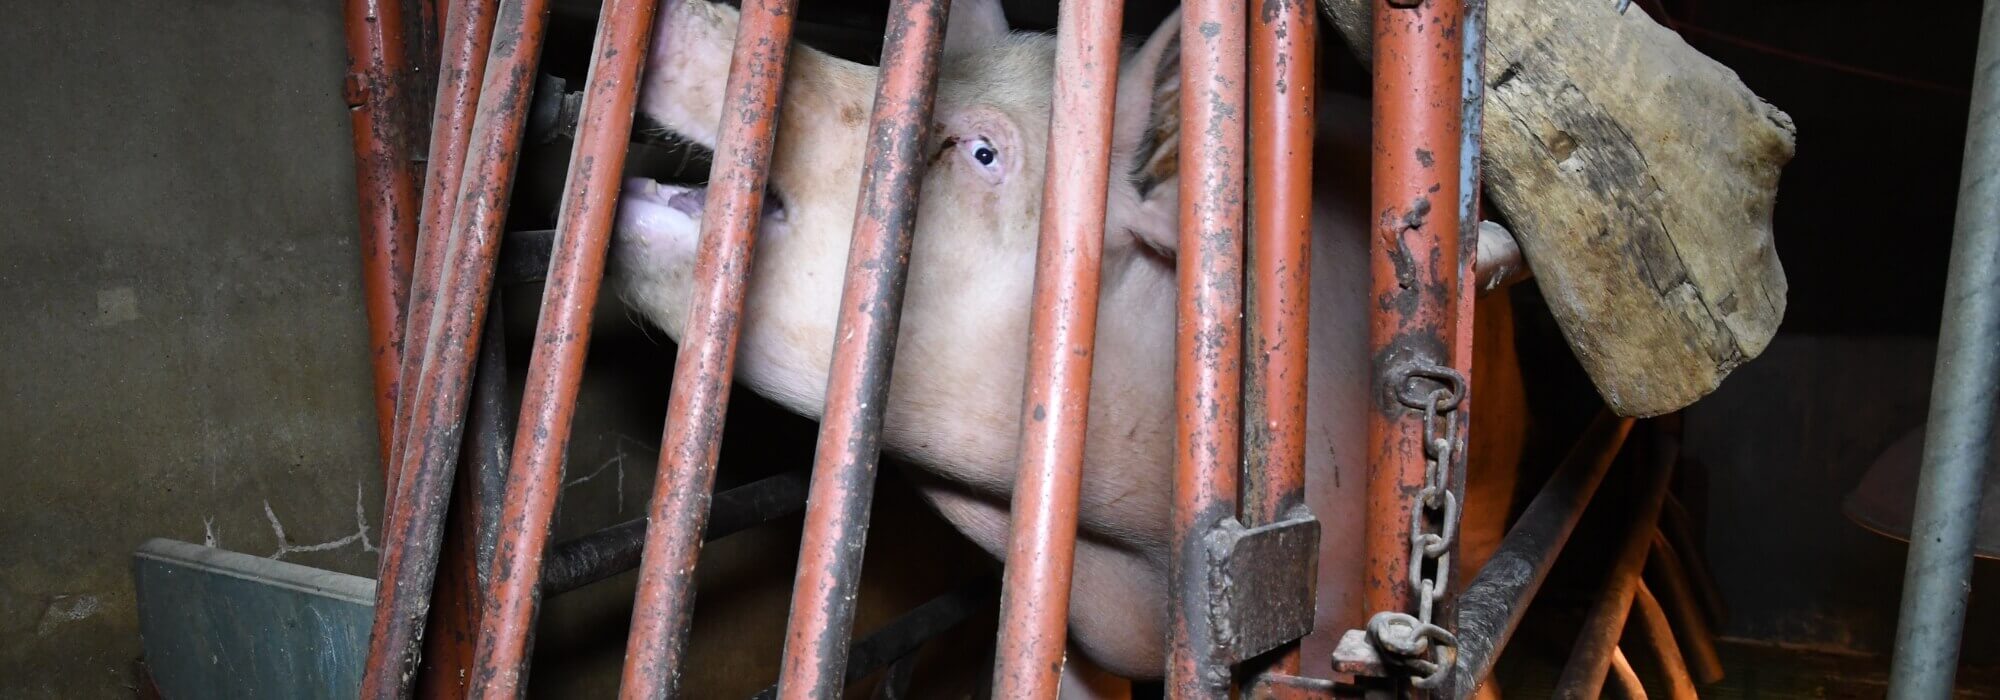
656,219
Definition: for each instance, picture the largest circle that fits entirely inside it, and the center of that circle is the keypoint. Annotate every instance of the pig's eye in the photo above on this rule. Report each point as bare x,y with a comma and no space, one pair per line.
985,156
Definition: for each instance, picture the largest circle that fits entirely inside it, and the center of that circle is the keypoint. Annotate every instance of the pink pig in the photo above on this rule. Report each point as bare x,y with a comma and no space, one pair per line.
955,399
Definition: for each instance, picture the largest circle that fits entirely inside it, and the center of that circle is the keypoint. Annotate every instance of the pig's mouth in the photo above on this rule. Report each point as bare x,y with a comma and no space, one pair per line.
692,199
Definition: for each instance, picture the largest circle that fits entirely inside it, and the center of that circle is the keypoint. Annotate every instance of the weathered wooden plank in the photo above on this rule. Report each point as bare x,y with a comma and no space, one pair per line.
1638,177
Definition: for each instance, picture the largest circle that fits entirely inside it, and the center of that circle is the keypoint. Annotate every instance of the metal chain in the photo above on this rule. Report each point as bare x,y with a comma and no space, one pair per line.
1414,642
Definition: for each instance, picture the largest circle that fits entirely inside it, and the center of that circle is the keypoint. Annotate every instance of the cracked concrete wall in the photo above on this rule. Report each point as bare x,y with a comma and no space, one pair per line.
186,357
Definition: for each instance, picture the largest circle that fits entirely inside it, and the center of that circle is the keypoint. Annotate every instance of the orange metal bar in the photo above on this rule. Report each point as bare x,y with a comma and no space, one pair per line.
385,180
468,39
679,509
455,610
562,337
1208,342
1414,262
1282,56
413,529
1041,550
878,261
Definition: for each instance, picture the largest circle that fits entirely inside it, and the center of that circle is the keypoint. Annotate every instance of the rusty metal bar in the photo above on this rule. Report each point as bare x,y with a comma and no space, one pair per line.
1417,278
664,604
864,351
385,181
1208,342
1683,607
585,560
562,338
1490,608
467,41
1678,527
413,529
1624,678
1041,550
471,523
1283,53
906,634
1650,622
1583,676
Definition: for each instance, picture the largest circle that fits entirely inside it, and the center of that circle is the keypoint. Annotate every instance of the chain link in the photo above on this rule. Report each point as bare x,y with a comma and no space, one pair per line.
1413,642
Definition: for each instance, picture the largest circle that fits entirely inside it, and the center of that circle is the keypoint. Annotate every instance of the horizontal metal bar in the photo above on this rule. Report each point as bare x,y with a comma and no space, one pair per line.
1491,607
907,633
579,562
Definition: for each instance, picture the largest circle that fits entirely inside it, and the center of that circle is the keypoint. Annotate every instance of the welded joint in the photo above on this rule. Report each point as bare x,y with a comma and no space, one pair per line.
1261,584
1356,655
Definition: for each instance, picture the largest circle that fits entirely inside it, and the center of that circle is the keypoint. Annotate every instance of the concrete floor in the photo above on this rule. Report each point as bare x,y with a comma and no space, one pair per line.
188,357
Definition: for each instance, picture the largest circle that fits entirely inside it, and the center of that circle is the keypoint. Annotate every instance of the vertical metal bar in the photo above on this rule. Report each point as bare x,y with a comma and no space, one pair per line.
467,40
857,388
467,551
1690,623
385,180
466,560
1208,343
1041,550
1624,678
1959,439
1658,634
664,603
1414,263
1590,658
414,526
562,338
1283,54
1492,605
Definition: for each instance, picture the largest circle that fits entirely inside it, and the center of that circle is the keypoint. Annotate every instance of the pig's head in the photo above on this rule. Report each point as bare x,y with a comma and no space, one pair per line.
977,227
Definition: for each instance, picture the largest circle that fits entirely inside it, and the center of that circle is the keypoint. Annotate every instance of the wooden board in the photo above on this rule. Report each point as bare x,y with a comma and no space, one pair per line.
1638,177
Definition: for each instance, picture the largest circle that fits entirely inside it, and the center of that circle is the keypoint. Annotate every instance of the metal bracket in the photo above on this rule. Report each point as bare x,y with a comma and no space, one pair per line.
1261,583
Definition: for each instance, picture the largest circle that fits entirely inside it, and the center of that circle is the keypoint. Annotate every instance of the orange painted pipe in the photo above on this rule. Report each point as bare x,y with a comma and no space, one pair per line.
562,338
414,526
1416,290
385,180
1041,547
1283,49
664,604
846,459
1208,333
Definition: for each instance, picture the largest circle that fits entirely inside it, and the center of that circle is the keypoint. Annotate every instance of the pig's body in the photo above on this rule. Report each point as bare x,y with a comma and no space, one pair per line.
955,402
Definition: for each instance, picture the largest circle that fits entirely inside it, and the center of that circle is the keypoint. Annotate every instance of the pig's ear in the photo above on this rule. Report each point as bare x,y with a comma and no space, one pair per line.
1148,127
973,23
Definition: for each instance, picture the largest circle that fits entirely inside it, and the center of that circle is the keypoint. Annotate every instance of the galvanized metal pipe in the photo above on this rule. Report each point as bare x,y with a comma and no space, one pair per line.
664,604
864,351
1583,676
1062,339
1490,608
385,181
413,529
1414,252
1208,342
1958,441
562,338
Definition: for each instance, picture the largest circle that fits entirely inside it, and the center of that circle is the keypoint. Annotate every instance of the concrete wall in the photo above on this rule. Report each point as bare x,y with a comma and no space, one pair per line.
186,355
